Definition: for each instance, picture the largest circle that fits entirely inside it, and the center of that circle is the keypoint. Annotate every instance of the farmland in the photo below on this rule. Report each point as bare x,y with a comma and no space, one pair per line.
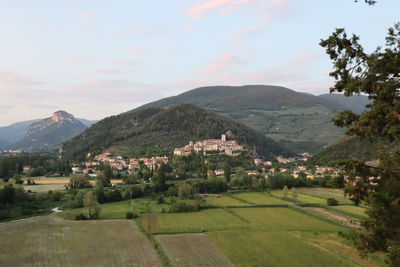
337,194
351,210
51,241
192,250
286,248
225,201
259,198
305,198
241,229
118,210
202,221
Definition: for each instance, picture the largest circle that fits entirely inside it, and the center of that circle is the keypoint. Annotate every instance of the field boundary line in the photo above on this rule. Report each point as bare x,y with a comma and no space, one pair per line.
242,200
159,249
345,213
318,216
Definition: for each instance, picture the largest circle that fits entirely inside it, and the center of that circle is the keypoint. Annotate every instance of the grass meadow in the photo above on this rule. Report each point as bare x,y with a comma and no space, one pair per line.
202,221
225,200
304,198
287,248
351,210
326,193
259,198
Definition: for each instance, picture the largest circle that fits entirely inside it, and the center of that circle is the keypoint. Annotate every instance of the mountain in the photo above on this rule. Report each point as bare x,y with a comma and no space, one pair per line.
17,131
3,143
301,121
356,103
14,132
50,131
155,131
351,147
86,122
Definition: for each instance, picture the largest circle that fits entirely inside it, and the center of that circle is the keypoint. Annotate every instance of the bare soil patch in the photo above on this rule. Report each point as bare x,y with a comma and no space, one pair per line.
52,241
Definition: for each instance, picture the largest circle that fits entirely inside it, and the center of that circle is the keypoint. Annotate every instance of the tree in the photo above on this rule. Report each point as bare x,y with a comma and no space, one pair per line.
285,191
185,191
90,202
161,178
150,222
375,184
133,209
79,181
293,192
103,179
227,171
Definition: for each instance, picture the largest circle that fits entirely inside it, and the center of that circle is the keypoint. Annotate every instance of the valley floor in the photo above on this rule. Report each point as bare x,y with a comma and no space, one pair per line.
244,229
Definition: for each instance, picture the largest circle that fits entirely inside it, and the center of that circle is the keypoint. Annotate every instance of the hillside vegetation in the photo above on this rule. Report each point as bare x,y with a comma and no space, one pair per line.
158,131
351,148
301,121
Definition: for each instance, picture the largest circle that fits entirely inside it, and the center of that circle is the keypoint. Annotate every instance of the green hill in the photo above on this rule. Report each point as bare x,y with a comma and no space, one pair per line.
154,131
299,120
351,147
356,103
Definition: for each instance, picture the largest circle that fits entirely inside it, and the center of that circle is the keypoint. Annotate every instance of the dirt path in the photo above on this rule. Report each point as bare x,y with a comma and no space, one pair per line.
336,217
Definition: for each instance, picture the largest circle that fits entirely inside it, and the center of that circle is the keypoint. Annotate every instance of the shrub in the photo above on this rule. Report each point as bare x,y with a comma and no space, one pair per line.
184,207
81,217
160,200
129,215
332,202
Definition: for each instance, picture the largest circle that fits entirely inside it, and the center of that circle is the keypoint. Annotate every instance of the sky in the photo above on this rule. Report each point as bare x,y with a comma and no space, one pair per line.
97,58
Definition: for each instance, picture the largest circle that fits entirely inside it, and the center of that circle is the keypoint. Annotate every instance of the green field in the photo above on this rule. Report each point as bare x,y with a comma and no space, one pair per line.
260,198
224,201
52,241
304,198
286,248
352,210
337,194
195,222
272,219
192,250
118,210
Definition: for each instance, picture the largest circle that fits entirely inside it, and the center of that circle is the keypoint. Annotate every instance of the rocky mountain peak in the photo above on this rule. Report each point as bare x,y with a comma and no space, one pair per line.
62,115
59,118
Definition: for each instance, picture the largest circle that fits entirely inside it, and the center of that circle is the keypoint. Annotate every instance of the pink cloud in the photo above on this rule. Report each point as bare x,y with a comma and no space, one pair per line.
7,78
207,6
125,62
76,60
266,14
224,63
105,71
127,31
237,5
86,14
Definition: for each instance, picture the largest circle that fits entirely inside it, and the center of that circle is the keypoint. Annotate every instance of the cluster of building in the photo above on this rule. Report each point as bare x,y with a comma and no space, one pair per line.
118,163
223,146
11,152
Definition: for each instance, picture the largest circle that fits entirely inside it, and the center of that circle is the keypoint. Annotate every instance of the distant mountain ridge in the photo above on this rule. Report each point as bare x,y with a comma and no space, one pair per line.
155,131
356,103
302,121
50,131
17,131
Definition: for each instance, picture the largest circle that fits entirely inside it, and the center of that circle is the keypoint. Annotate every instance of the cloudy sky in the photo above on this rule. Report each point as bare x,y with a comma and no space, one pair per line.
95,58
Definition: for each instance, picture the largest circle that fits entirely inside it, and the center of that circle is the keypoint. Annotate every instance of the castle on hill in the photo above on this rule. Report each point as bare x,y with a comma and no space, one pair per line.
227,147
